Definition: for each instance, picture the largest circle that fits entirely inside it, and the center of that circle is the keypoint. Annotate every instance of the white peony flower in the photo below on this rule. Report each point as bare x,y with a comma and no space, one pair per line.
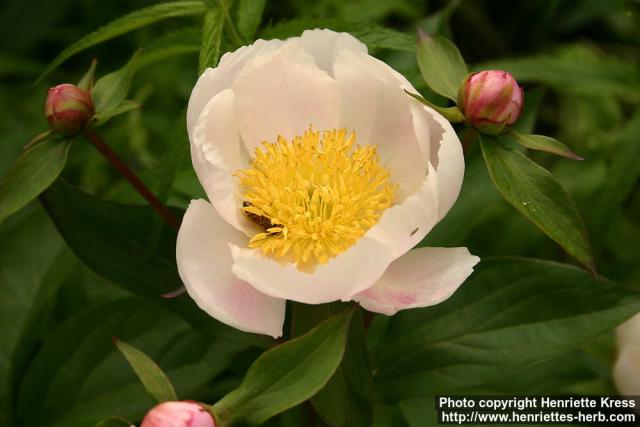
322,175
626,371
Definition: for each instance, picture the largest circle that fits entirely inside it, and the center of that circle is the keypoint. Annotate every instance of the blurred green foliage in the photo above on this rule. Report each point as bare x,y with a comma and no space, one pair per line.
577,59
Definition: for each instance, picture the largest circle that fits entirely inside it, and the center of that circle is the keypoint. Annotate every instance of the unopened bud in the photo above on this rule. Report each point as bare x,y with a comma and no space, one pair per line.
68,109
178,414
490,100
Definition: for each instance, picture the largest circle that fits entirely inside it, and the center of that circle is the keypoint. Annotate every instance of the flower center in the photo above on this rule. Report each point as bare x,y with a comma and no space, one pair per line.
314,196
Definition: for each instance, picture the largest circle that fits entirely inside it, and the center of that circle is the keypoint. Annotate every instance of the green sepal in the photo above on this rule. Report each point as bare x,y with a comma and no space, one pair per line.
453,114
112,89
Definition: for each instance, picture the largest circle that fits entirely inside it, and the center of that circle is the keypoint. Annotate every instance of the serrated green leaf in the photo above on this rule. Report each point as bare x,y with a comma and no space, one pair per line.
211,38
124,107
511,314
287,374
153,379
537,195
31,173
114,422
543,143
249,15
441,65
180,42
111,90
124,24
347,399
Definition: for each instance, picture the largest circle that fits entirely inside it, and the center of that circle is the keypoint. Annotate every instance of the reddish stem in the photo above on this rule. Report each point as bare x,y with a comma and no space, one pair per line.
468,139
133,179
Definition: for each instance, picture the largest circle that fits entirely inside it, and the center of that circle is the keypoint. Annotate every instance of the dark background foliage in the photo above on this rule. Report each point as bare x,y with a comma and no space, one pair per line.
578,63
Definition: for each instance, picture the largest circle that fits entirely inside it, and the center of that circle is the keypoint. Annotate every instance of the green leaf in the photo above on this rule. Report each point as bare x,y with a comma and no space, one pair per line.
121,243
346,400
31,173
211,38
576,69
114,422
124,24
33,264
113,240
511,314
153,379
288,374
111,90
249,14
543,143
441,64
537,195
78,377
124,107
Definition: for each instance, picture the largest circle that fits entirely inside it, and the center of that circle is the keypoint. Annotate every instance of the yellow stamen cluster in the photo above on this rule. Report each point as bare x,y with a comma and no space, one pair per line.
315,195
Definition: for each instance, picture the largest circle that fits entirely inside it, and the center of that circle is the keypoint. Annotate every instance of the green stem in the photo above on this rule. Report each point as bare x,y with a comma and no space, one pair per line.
453,114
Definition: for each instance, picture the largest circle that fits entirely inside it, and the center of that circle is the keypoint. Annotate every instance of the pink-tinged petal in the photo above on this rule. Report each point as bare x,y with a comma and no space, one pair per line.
284,94
204,263
323,45
215,80
216,153
376,107
350,272
422,277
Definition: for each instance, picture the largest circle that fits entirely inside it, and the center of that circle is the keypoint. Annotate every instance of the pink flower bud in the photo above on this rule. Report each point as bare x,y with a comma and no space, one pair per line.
68,109
490,100
178,414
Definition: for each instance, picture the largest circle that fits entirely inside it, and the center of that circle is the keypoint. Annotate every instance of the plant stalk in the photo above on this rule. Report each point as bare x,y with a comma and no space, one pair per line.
133,179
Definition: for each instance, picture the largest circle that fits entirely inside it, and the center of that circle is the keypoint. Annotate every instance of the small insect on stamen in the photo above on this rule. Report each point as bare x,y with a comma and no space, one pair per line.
261,220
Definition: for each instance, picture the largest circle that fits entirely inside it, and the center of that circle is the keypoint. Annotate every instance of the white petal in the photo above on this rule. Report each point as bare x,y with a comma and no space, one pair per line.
216,153
628,334
404,225
284,94
214,80
626,371
440,144
343,276
324,45
447,158
376,107
204,262
422,277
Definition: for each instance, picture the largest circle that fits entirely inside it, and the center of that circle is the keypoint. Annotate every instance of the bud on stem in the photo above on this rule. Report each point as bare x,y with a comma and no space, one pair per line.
68,109
178,414
491,101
